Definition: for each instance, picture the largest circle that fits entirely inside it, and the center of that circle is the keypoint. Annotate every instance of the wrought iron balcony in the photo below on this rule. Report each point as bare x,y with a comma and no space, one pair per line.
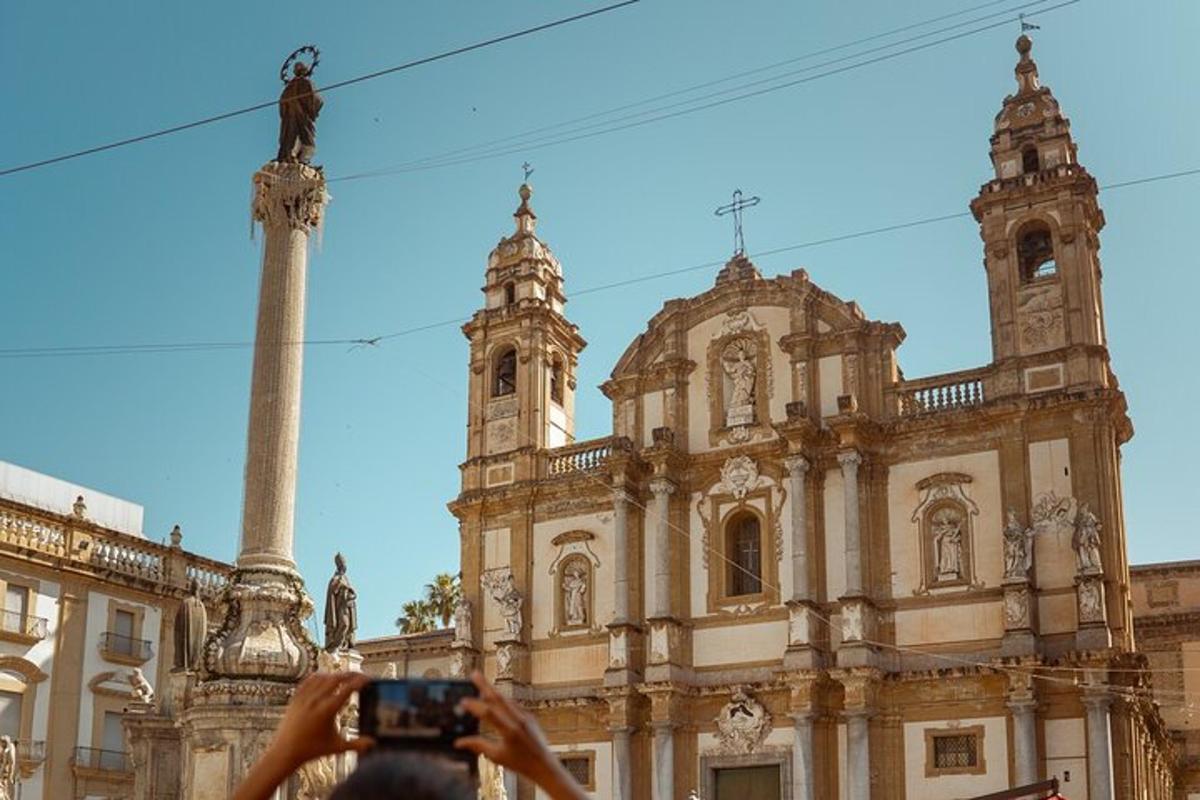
31,751
125,648
23,625
104,760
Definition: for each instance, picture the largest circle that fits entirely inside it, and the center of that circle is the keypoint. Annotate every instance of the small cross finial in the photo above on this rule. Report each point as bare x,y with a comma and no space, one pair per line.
528,170
1027,26
735,208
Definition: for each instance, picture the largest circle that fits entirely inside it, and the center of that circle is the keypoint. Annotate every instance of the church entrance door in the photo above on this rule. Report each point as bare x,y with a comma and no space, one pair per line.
748,783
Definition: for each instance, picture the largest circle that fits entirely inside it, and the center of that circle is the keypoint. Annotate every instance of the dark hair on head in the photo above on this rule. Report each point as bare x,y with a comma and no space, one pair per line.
403,776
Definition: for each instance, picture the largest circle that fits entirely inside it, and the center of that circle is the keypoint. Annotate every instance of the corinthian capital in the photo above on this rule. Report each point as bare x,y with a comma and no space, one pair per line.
662,486
290,194
796,465
849,459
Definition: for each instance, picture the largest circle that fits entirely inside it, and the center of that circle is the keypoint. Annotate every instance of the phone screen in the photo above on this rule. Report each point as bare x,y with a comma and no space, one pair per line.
417,714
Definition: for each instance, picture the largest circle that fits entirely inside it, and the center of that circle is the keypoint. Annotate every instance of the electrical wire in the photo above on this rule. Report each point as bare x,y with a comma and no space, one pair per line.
726,79
328,88
372,341
613,128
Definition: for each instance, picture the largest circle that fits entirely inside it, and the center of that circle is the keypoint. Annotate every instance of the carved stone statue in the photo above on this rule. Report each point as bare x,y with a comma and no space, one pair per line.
743,723
299,106
1086,541
1090,603
499,584
1018,553
947,544
737,361
341,609
191,626
140,688
462,620
8,768
491,780
575,586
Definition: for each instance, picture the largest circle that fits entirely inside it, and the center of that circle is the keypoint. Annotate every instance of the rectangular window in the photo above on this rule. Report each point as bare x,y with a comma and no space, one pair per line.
955,752
112,742
579,768
10,714
16,609
122,642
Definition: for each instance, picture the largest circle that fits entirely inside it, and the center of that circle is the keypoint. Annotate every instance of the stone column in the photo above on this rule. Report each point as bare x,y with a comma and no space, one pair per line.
797,467
850,460
622,778
620,556
1099,746
802,757
858,756
664,763
662,489
1024,715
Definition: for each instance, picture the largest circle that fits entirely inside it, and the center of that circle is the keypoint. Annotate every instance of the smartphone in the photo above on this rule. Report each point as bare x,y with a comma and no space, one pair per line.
419,714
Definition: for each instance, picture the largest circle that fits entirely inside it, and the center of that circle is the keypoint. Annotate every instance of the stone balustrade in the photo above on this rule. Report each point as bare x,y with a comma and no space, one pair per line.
937,393
582,457
1045,176
70,543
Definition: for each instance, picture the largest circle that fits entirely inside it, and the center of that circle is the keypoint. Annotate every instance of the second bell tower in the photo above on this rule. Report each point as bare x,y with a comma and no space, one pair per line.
1039,220
524,353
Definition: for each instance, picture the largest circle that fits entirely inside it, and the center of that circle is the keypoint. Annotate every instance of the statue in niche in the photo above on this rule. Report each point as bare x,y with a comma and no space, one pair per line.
299,106
191,626
1086,542
341,609
1018,553
947,525
574,586
8,768
738,362
462,620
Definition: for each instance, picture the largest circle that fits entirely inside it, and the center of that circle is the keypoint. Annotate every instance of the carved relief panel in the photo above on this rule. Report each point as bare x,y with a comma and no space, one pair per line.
1040,325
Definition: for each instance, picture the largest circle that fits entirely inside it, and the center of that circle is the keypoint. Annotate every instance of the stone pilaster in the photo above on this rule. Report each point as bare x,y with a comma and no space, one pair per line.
662,489
859,705
1099,744
1022,705
663,784
1019,638
622,720
803,615
850,460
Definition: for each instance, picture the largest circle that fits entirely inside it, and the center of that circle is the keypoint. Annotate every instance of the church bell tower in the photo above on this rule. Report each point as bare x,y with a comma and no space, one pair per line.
524,354
1039,220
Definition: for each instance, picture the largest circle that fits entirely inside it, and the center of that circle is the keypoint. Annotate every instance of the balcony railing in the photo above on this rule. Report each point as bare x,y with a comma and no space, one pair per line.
20,624
31,751
954,390
106,760
125,647
579,458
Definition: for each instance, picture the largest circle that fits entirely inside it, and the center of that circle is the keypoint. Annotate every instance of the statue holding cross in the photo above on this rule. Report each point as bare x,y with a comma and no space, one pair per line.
735,208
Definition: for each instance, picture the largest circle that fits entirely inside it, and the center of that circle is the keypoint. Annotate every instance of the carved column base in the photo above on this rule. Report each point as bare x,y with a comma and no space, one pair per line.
261,639
667,654
464,659
622,641
805,634
1093,633
1019,638
857,628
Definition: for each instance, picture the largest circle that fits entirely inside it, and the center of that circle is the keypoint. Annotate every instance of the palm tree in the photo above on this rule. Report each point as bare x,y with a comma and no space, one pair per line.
416,616
443,595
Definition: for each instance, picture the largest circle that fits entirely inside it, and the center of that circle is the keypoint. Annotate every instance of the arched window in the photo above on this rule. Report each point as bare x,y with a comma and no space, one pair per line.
1035,252
556,380
510,293
743,548
505,373
1029,160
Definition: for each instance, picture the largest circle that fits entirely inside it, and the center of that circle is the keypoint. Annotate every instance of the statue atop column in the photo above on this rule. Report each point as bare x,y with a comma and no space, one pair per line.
299,106
1086,541
191,626
341,610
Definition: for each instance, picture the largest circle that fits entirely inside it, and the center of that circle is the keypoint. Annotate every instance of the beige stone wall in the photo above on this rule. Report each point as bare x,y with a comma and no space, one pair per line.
1054,560
829,377
835,535
745,642
1066,751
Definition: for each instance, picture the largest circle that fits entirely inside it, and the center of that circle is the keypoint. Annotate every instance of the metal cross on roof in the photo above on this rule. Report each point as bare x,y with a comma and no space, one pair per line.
528,170
735,208
1027,26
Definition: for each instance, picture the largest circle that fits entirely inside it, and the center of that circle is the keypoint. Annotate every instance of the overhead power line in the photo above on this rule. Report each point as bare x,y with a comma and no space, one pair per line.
665,112
328,88
177,347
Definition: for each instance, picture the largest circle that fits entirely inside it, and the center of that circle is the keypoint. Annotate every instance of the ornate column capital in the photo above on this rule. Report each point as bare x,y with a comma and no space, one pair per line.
1096,698
796,465
662,486
622,495
289,193
849,459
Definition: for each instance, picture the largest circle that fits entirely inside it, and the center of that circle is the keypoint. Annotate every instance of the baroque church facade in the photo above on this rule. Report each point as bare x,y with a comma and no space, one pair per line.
792,571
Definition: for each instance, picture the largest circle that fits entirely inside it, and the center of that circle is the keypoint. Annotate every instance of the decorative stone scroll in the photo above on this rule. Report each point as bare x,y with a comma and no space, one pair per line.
743,724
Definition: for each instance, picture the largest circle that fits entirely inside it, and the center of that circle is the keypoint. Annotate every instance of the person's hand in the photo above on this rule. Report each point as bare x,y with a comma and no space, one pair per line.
521,746
309,730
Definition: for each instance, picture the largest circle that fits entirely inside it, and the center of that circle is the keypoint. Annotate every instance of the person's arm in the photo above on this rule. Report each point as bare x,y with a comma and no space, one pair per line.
308,730
521,746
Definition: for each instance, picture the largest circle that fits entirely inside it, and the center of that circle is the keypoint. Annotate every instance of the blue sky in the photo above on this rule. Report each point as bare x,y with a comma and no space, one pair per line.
150,243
